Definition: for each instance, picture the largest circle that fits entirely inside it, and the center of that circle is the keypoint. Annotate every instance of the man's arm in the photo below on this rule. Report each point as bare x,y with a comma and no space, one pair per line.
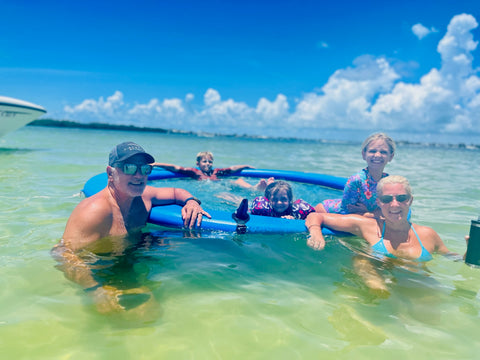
89,222
74,268
192,212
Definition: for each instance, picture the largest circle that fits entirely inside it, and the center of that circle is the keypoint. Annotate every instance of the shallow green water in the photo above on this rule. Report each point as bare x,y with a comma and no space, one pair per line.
224,296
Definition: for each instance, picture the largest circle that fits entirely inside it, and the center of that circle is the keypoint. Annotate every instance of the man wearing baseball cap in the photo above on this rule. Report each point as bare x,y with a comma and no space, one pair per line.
101,223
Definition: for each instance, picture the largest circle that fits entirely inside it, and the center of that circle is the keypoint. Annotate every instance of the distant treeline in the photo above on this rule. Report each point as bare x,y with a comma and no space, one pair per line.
104,126
73,124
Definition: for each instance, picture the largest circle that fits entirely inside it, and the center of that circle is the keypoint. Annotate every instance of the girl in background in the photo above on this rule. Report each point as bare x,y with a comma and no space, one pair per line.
359,194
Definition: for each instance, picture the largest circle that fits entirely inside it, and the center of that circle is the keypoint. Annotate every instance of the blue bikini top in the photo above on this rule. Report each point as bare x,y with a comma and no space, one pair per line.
380,247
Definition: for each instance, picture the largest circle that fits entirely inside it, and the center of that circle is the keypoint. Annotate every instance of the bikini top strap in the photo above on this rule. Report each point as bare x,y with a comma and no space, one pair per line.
418,237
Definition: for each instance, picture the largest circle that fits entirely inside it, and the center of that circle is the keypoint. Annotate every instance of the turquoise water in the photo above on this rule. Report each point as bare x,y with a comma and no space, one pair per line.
225,296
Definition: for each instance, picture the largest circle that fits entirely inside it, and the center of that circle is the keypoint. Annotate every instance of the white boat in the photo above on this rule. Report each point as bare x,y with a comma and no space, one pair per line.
15,113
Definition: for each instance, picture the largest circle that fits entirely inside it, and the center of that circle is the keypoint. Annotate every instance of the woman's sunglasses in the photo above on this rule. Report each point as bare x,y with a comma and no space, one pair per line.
131,169
387,199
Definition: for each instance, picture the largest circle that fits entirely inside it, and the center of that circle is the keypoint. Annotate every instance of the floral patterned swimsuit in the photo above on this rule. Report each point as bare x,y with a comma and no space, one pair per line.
299,210
360,188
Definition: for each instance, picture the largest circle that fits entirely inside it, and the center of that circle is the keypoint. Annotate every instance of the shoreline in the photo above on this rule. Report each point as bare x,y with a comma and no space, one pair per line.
113,127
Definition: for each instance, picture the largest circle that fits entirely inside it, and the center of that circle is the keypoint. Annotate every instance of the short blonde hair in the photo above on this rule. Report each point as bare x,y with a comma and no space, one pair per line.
394,179
203,154
379,136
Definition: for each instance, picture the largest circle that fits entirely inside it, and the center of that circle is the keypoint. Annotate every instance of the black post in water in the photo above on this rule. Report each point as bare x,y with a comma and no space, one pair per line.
473,249
241,217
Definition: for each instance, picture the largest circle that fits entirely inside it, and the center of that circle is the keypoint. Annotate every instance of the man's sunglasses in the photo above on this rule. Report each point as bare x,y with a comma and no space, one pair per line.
131,169
387,199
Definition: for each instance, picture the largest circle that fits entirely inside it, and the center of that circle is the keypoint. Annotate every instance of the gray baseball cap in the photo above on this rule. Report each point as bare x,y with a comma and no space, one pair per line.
126,150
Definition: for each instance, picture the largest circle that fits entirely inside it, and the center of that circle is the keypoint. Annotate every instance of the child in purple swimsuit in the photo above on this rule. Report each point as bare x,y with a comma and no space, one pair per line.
278,202
359,194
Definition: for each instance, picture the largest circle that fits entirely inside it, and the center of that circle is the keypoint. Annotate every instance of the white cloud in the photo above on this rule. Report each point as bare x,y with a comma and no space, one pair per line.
445,100
169,113
154,107
273,110
370,95
346,98
421,31
173,105
211,97
226,116
457,45
101,108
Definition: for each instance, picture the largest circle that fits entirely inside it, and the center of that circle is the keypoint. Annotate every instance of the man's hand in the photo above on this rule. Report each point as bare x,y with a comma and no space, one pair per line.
192,214
107,299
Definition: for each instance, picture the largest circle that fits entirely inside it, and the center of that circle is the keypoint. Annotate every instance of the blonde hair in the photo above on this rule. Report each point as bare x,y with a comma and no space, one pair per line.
379,136
394,179
203,154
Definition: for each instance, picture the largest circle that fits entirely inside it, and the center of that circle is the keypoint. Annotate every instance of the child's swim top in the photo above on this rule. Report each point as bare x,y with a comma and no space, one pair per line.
380,247
261,206
360,188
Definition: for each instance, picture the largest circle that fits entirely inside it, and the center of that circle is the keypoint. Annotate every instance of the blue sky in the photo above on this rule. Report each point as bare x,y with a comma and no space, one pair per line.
276,68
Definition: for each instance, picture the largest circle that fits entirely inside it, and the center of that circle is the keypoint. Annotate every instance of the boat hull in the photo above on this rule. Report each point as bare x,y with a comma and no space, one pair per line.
15,114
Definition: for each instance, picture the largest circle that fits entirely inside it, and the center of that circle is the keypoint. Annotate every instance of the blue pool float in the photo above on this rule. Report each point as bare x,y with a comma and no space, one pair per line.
170,215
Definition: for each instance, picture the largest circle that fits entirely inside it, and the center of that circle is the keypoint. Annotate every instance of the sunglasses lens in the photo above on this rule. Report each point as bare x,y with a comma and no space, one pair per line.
129,169
146,169
386,199
402,198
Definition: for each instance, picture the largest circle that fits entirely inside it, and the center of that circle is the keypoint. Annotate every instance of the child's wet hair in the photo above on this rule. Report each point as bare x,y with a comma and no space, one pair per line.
276,186
203,154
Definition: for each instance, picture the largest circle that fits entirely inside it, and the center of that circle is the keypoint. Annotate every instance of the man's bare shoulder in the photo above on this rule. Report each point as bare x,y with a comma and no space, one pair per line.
90,220
95,205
